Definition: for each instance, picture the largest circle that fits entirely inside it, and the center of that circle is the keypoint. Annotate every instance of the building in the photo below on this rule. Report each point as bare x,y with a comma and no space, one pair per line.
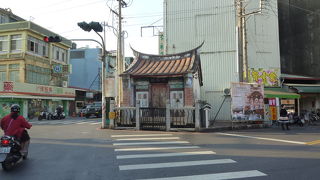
33,73
299,47
86,77
188,23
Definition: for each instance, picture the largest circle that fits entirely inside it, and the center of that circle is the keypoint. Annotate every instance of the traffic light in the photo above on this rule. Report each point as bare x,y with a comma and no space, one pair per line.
96,26
52,39
85,26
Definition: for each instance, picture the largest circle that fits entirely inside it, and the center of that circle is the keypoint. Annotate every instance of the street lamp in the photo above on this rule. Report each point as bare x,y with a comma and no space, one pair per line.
96,27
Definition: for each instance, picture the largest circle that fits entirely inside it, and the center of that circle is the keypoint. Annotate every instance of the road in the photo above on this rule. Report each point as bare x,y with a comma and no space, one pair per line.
77,149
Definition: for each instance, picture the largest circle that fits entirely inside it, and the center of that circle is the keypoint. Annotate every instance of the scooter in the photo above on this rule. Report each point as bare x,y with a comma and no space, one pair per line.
10,154
44,115
55,115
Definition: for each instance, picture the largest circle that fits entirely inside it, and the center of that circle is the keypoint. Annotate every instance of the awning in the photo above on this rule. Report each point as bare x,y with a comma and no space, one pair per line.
307,89
280,94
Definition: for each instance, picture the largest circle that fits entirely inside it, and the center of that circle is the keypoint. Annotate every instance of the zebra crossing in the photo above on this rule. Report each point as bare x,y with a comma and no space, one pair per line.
133,152
66,122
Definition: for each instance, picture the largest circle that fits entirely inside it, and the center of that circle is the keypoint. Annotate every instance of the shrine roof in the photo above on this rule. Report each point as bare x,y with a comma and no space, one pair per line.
165,65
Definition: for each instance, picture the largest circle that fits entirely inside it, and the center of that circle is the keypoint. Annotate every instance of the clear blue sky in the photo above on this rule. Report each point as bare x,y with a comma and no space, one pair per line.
61,17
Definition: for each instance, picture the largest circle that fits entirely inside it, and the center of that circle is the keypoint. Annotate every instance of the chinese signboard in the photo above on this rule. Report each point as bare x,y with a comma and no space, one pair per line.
161,43
34,89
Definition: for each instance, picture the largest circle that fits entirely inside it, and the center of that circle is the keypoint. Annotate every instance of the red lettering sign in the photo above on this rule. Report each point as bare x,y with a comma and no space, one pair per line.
7,86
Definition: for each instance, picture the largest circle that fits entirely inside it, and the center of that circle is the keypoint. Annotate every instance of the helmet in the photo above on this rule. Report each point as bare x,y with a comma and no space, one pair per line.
15,108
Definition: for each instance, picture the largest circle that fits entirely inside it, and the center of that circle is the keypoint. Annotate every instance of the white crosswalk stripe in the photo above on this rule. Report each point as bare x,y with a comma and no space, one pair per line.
65,122
140,135
154,138
217,176
165,154
175,164
145,143
157,148
154,143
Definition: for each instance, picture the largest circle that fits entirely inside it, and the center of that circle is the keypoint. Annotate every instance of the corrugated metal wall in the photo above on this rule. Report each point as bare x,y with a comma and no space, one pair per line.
190,22
263,36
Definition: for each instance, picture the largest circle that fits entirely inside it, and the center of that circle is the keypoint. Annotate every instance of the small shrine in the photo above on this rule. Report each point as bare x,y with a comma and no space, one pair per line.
155,80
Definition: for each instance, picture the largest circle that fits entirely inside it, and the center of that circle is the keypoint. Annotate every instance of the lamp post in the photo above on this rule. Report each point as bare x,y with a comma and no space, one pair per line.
96,27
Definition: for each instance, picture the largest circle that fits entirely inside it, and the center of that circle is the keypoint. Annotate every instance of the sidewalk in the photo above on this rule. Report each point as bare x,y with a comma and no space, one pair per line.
228,126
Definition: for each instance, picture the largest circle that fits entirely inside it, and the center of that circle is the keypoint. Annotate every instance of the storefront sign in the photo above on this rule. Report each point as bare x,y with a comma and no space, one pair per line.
34,89
272,102
7,86
273,113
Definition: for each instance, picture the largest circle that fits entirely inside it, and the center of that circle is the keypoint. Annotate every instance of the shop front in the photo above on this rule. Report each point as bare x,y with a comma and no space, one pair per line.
34,98
275,97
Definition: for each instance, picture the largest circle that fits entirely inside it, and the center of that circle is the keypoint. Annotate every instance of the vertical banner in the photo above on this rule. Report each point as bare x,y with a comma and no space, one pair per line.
247,101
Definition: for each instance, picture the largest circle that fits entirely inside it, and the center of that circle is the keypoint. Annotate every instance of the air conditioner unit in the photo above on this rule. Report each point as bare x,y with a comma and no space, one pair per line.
226,91
64,83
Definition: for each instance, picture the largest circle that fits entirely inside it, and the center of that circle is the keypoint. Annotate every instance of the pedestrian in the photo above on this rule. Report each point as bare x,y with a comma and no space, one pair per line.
284,120
14,124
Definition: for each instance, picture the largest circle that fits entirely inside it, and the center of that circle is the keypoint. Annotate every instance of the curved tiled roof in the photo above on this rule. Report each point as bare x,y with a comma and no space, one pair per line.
165,65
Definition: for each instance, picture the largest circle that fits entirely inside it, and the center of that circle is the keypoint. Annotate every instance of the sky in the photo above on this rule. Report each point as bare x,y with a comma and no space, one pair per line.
62,16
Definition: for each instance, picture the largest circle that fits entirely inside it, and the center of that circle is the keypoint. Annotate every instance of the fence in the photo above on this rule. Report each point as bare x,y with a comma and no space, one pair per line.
158,118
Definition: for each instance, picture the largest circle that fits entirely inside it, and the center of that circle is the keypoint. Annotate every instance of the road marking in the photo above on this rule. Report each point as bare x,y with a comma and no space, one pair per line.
157,148
96,123
261,138
144,143
165,154
139,139
141,135
217,176
82,122
313,142
175,164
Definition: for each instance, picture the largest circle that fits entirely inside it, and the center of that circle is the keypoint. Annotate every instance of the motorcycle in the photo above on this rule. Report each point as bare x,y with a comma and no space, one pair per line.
10,154
55,115
44,115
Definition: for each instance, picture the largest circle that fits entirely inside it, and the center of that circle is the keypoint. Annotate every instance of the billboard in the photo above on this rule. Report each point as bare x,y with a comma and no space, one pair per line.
247,101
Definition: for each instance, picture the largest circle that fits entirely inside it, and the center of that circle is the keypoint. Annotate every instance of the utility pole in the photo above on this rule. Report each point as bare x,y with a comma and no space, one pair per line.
242,34
119,54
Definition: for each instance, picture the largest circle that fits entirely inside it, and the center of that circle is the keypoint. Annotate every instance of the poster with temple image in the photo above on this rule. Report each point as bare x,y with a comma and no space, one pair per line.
247,101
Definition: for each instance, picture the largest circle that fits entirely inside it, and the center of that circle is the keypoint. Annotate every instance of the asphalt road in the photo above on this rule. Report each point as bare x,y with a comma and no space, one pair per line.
78,149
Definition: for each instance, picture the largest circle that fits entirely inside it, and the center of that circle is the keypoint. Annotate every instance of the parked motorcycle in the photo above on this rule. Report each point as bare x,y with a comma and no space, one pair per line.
10,152
44,115
56,115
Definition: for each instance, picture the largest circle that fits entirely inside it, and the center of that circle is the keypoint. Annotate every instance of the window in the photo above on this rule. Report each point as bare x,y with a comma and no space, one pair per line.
37,75
3,19
14,72
37,46
59,54
16,43
3,72
3,44
143,98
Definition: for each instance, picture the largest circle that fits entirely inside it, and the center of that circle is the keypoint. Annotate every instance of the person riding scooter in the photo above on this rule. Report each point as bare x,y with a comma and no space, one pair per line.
14,124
